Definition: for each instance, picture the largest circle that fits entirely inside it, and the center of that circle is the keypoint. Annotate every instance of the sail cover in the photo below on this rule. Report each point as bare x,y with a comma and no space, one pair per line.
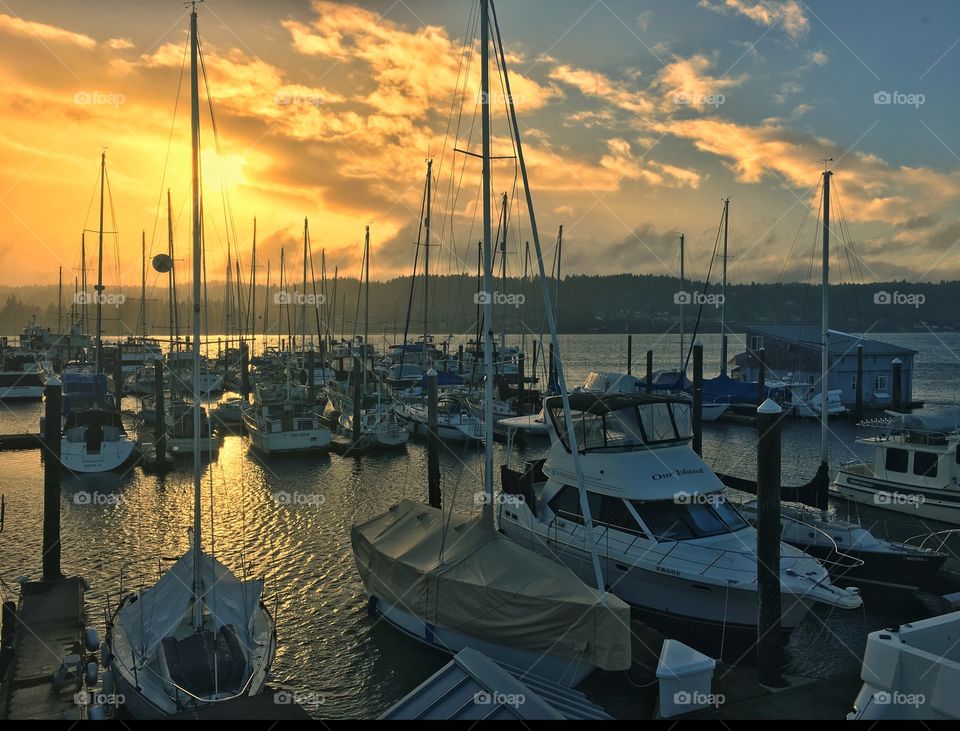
461,575
161,608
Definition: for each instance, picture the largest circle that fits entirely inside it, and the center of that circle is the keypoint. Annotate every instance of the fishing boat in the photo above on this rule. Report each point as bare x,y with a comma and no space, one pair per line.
914,466
452,581
282,420
199,635
671,544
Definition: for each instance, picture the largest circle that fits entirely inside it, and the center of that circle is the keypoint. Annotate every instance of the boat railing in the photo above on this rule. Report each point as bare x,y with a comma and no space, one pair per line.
923,538
849,562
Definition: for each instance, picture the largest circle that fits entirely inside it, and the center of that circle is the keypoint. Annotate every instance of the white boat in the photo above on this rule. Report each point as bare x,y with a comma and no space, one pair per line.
530,426
455,422
179,437
281,420
199,635
850,551
180,368
454,582
380,427
913,469
911,672
670,543
603,382
94,440
21,377
807,404
139,352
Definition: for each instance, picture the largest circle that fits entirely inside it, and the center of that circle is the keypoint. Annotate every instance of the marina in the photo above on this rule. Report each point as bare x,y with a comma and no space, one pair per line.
441,459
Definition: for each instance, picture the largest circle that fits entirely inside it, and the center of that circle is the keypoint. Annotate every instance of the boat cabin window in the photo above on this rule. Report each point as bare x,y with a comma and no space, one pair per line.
925,464
626,428
705,515
897,460
604,509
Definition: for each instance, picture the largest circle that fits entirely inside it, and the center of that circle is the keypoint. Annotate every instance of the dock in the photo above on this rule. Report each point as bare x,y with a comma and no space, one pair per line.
10,442
49,627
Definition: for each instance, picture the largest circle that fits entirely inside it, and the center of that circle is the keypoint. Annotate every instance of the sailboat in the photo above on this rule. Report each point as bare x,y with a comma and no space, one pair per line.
199,635
453,581
93,438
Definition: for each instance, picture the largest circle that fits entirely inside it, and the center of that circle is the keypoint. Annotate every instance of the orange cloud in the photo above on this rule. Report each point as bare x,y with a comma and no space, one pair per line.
42,31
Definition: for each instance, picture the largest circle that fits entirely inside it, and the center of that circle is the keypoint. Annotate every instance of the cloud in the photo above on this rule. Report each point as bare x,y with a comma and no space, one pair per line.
686,82
789,14
120,44
598,85
42,31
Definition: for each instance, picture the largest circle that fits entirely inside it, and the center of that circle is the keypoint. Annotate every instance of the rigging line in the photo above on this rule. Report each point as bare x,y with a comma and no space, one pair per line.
706,284
413,283
851,251
166,159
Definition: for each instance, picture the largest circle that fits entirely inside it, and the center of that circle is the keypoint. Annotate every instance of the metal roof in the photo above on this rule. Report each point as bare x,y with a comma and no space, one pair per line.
808,336
474,687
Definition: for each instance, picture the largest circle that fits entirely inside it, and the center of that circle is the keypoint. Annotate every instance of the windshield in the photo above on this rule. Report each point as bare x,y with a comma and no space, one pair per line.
700,516
626,428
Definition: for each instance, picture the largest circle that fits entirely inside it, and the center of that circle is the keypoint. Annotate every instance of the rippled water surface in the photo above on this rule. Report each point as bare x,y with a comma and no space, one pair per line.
329,647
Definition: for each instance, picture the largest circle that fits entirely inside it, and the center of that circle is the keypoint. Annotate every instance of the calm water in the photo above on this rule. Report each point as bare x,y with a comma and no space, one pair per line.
330,649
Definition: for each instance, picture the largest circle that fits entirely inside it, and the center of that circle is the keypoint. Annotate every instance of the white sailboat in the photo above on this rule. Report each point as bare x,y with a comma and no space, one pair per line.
454,582
200,635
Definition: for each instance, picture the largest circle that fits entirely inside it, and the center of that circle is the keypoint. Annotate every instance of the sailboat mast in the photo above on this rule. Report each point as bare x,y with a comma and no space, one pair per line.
503,274
303,298
103,175
143,283
824,322
366,304
426,265
174,325
253,292
552,323
723,307
683,289
195,182
60,303
83,283
487,265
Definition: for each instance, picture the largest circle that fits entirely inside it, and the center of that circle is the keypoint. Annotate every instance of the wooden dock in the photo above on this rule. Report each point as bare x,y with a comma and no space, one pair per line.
9,442
49,627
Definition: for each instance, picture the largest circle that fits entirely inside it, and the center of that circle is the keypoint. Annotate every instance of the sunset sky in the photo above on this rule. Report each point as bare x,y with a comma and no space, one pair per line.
638,119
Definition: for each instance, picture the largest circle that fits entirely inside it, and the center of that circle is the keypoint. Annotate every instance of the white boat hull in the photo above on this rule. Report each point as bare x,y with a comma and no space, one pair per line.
112,455
925,504
22,393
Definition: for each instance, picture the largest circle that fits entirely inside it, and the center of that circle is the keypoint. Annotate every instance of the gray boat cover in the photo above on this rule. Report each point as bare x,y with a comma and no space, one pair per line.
457,573
161,608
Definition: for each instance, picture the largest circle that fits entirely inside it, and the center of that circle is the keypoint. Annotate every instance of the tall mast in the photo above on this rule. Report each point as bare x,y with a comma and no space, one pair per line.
324,336
143,283
503,274
426,265
554,337
253,292
174,324
487,265
303,298
366,305
556,314
103,175
195,183
723,307
60,303
683,289
825,322
83,283
266,307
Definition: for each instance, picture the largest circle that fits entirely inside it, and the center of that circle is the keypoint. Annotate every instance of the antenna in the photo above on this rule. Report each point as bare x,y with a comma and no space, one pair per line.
824,162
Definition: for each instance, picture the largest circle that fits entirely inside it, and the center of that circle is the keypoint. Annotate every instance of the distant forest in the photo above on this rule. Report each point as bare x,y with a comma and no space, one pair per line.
587,304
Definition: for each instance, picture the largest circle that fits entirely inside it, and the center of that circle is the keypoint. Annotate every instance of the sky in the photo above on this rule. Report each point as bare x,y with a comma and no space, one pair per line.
637,119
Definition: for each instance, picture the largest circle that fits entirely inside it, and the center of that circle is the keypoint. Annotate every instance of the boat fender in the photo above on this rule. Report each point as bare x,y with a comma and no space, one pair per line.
91,640
105,656
372,606
93,674
97,713
108,682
